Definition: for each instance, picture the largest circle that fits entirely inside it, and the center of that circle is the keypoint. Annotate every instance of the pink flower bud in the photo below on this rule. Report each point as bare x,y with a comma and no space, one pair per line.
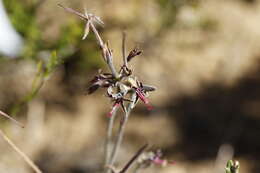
142,97
113,109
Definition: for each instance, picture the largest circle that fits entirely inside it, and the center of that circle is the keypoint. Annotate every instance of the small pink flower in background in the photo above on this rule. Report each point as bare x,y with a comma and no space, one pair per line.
159,161
153,158
162,162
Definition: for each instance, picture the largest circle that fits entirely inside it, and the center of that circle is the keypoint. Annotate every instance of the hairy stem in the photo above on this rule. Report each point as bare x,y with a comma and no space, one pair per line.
99,39
107,54
22,154
119,138
124,49
121,131
108,142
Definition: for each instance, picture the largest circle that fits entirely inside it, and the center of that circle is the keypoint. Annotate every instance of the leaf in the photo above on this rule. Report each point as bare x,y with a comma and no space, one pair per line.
133,53
93,88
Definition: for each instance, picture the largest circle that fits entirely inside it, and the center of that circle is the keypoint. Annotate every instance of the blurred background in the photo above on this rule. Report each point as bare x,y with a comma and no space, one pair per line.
202,55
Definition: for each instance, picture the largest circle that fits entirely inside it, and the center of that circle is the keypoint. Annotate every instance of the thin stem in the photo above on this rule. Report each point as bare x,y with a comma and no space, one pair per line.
112,68
99,39
131,161
119,138
109,136
22,154
106,52
124,48
82,16
121,131
12,119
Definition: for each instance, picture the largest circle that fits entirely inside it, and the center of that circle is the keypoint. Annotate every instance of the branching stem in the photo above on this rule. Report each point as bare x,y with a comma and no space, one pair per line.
106,52
108,142
121,131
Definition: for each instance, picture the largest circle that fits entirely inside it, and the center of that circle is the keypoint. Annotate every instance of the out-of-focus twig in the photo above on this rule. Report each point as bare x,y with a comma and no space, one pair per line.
12,119
44,72
21,153
131,161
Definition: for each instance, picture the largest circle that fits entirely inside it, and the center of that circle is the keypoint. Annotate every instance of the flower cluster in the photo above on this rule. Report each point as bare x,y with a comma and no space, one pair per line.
153,158
120,84
119,89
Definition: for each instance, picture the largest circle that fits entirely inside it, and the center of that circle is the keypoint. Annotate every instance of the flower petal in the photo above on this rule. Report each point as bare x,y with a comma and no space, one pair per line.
133,53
